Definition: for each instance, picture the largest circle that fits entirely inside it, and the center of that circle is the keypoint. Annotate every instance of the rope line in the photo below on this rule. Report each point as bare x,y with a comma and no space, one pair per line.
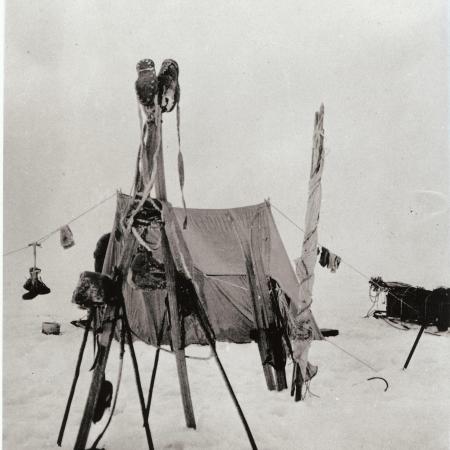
46,236
215,278
15,251
352,356
345,262
198,358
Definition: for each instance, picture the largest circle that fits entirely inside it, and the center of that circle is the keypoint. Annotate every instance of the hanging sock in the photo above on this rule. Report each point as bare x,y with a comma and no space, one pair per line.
66,237
334,262
324,257
329,260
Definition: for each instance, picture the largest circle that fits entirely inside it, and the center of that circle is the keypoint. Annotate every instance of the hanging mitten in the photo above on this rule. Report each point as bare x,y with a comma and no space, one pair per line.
66,237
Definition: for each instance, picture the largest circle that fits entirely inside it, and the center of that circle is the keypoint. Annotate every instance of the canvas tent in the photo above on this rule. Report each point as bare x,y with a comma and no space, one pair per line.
225,276
212,245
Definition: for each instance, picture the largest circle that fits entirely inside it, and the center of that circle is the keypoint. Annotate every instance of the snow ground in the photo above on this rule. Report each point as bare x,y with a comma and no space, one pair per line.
349,412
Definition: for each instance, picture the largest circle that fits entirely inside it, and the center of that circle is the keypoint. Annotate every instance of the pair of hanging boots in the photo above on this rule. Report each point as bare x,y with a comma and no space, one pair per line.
34,285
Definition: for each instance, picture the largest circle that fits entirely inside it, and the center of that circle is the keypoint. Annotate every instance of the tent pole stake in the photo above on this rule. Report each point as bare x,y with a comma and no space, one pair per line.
419,335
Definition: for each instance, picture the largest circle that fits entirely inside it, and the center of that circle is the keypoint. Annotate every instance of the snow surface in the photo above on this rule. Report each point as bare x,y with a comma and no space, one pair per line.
349,412
252,75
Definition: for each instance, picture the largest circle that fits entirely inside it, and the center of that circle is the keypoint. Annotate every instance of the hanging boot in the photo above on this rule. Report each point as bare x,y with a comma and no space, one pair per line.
168,87
34,272
146,83
31,294
41,287
28,285
31,284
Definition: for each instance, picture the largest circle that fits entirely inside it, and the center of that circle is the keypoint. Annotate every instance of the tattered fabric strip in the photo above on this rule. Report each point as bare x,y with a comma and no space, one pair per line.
181,167
150,183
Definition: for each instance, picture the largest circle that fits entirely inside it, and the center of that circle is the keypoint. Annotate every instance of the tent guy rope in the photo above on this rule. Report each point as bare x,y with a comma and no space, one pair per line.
46,236
342,260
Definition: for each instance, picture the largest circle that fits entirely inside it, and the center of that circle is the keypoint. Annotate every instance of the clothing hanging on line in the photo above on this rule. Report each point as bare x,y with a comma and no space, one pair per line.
66,237
329,260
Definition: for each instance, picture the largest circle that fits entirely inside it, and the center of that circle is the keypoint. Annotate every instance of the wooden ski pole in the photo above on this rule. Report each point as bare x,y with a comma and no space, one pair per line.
75,378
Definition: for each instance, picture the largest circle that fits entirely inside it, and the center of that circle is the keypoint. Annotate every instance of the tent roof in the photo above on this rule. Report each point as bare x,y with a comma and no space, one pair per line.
215,248
209,250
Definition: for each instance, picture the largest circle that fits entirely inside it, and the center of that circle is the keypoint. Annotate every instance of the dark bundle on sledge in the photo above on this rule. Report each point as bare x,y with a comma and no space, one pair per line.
416,304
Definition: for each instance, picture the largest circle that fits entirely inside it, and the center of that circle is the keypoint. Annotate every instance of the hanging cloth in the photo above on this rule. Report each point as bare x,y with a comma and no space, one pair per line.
324,257
329,260
66,237
334,262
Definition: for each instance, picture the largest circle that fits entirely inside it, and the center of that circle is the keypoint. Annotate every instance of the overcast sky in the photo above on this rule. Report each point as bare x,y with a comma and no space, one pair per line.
252,75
